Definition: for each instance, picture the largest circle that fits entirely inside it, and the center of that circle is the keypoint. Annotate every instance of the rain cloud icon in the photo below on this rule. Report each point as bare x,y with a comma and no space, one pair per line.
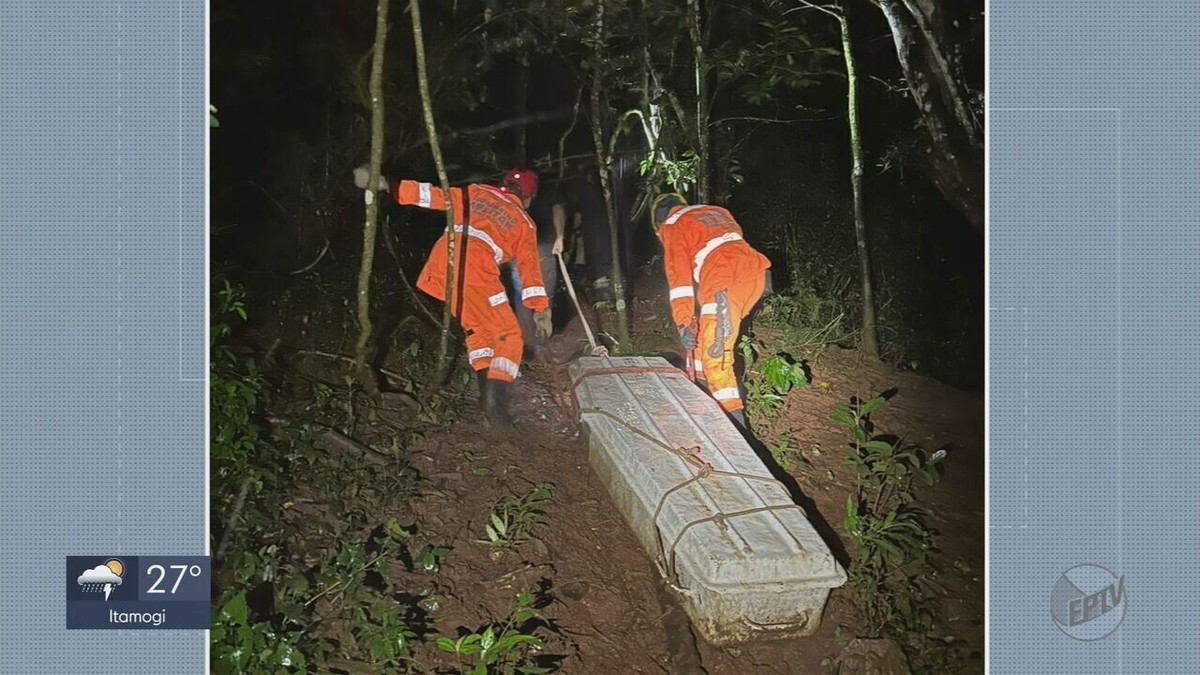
102,577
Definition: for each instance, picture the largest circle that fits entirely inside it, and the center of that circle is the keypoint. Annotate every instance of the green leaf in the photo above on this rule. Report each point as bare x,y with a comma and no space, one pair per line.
489,639
871,405
526,639
844,419
501,526
880,446
235,609
468,644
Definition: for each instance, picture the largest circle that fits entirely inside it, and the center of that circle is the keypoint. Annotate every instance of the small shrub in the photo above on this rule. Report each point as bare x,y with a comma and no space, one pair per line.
242,645
504,648
806,322
769,379
514,518
236,394
890,573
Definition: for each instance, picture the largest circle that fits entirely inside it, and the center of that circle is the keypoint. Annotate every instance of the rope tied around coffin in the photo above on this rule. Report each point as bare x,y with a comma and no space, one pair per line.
704,469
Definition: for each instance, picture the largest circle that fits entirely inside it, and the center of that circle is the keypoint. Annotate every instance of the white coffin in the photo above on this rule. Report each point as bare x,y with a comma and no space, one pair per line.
724,533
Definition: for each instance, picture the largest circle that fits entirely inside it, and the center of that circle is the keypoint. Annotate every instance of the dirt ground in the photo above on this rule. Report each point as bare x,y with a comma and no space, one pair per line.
597,589
603,589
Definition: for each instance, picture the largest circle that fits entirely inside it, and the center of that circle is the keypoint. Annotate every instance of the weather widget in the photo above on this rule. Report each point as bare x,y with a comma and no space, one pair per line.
139,592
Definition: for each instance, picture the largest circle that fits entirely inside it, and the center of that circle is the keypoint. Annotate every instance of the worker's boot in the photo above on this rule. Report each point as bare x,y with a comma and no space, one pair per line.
481,381
495,403
602,290
739,418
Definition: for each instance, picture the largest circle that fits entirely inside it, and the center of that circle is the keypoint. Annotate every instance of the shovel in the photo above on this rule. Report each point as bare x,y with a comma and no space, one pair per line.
596,350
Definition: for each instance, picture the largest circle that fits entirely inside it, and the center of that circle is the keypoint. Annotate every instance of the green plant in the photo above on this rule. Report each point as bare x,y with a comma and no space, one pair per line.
344,565
236,393
380,626
806,321
383,626
782,374
500,648
242,645
258,565
680,174
889,573
769,379
430,557
515,517
785,455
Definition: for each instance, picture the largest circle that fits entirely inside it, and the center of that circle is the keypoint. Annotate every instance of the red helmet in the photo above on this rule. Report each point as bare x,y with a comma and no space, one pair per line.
521,181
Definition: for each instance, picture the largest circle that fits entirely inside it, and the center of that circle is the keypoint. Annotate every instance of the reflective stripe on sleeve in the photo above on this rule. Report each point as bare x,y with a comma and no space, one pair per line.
497,299
721,394
682,292
533,292
424,196
708,308
505,365
476,354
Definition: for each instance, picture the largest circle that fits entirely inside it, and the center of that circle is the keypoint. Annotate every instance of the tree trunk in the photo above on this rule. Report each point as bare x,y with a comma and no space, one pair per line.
952,98
700,71
443,361
870,340
365,376
604,159
956,151
652,119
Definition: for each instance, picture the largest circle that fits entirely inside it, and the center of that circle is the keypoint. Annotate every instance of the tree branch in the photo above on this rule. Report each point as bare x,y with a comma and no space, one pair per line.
822,8
523,120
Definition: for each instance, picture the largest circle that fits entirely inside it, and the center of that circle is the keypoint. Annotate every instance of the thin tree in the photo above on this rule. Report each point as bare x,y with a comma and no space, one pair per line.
604,158
365,376
443,362
870,340
700,71
955,131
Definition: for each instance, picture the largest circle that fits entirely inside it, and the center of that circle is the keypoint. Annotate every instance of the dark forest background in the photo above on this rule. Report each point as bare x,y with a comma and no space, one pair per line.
511,84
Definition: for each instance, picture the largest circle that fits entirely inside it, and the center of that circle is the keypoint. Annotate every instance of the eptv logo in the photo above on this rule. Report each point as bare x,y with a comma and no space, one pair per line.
1088,602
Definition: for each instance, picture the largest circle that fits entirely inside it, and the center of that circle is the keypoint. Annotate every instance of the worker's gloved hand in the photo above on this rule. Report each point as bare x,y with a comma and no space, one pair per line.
687,337
557,248
545,323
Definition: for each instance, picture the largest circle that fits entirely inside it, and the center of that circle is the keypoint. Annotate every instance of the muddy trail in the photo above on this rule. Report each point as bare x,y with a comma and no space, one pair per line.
603,593
597,599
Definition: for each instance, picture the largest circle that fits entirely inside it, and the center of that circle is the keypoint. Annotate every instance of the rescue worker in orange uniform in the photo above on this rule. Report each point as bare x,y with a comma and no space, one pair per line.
708,263
497,229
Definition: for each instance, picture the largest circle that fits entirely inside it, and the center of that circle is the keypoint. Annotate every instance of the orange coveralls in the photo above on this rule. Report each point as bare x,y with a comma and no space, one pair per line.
707,261
498,230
